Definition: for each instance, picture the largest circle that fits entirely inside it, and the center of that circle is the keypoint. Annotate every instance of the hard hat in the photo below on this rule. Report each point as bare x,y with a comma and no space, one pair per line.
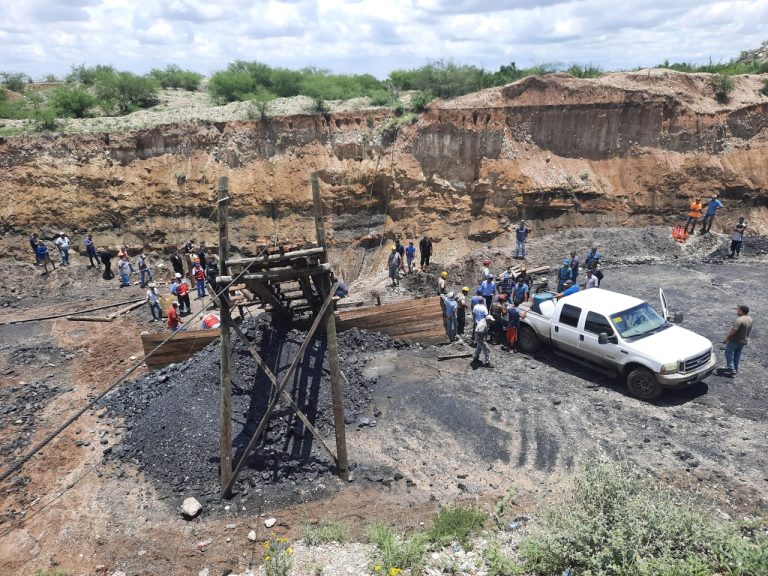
566,262
177,275
394,248
450,295
490,276
443,274
489,318
465,289
486,262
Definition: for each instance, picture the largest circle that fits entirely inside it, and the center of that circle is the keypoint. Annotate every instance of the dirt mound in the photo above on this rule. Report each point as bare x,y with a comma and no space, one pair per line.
172,416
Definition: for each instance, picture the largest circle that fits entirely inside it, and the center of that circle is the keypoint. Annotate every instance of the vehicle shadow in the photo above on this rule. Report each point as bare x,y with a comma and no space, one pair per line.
593,377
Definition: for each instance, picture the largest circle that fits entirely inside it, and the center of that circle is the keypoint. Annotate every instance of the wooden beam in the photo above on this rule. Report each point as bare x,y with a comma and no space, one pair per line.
279,275
267,297
225,385
76,313
89,319
278,393
454,356
288,256
418,303
126,309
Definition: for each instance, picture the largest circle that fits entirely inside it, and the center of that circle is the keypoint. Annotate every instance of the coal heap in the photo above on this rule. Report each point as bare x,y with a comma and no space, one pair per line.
172,415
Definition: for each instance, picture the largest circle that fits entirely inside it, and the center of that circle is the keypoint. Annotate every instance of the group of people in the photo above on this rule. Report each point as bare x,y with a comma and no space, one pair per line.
697,209
495,306
402,258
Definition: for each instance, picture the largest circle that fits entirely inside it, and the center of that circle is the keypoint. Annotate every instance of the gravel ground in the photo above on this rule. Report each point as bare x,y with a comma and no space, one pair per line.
172,417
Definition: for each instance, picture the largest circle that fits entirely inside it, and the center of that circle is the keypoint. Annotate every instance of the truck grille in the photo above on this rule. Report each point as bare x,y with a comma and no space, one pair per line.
696,362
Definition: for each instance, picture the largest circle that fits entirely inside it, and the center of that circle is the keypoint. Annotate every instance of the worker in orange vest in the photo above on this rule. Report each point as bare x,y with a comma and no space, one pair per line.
182,291
210,321
173,317
694,215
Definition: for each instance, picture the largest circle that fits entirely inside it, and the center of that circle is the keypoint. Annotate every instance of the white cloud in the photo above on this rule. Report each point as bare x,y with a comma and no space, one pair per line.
48,36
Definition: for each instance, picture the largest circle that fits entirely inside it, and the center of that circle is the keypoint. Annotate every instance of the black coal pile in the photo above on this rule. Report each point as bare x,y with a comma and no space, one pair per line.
19,407
172,415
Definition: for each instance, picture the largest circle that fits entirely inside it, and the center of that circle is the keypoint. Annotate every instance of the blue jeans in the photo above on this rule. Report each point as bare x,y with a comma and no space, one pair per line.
733,354
125,280
156,311
520,247
64,256
450,327
201,288
145,272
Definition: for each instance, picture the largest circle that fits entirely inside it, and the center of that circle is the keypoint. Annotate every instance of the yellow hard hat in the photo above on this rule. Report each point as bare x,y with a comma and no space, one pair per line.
465,289
394,248
443,274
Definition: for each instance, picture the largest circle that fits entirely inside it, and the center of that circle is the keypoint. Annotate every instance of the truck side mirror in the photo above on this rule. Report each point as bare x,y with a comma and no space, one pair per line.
678,317
602,338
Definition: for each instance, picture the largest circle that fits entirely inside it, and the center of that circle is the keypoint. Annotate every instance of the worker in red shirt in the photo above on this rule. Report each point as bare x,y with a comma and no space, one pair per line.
210,321
182,291
200,280
173,317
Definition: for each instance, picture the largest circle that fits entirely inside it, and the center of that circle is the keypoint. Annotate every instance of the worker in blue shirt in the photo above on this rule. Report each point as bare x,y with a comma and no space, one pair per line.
712,208
564,274
520,292
507,282
476,299
569,288
488,286
592,262
450,307
410,255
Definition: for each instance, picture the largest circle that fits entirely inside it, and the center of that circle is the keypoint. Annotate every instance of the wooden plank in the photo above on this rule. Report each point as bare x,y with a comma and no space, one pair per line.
424,303
403,317
89,319
267,297
125,310
225,384
286,257
76,313
454,356
348,304
279,275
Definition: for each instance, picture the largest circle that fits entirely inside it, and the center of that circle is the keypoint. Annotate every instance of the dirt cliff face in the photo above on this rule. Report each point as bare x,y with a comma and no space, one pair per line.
626,149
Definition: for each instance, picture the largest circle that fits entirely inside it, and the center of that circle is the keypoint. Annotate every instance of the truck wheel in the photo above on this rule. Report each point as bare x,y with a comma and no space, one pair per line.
643,384
528,340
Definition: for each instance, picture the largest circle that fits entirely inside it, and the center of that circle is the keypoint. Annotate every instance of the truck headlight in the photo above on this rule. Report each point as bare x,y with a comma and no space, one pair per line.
669,368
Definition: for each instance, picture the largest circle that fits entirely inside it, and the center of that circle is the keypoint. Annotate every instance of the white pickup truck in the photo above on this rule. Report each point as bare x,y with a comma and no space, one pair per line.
621,333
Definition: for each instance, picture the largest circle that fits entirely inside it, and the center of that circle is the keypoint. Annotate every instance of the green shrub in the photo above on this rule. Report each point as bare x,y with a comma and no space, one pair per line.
325,531
618,520
174,77
455,525
258,106
15,81
497,564
45,120
230,86
585,71
88,76
278,557
125,92
71,101
420,100
723,86
381,98
396,552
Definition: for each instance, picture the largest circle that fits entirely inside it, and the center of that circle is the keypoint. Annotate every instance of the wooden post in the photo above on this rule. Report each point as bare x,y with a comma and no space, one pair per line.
225,386
333,344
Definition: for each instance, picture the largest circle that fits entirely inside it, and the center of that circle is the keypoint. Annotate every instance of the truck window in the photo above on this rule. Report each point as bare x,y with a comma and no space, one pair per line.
569,315
597,324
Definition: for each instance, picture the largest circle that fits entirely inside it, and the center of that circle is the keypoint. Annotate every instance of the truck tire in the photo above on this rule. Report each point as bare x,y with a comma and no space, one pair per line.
643,384
528,340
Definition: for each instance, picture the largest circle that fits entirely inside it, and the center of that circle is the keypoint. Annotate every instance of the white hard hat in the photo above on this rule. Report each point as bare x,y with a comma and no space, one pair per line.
450,295
177,275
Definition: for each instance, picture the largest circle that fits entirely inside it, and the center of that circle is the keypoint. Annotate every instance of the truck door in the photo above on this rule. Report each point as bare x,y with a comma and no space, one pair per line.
591,349
565,332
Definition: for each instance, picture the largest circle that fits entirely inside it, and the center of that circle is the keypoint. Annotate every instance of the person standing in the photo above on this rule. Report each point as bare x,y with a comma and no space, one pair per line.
693,215
173,317
591,281
182,290
146,273
177,263
34,242
737,237
106,258
124,267
593,262
425,252
201,255
712,208
200,280
737,338
521,236
488,287
481,346
476,299
574,266
154,303
514,315
449,310
90,251
521,292
62,243
461,310
44,257
507,282
564,274
393,264
410,256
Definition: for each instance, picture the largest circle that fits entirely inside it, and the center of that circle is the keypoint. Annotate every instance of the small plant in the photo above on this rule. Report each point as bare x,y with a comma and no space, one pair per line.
395,553
498,564
420,100
369,122
455,525
723,86
319,106
570,181
278,557
325,531
181,177
45,120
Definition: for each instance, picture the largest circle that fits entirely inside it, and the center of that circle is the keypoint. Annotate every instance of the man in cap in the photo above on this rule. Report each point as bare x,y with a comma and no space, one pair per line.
693,215
521,236
410,255
488,287
737,338
568,288
124,267
486,269
476,299
154,303
481,333
449,310
62,243
564,274
737,237
393,264
461,310
173,317
712,207
442,283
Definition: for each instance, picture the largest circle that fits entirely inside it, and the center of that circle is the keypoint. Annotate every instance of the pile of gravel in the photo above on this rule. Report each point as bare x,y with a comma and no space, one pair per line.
172,415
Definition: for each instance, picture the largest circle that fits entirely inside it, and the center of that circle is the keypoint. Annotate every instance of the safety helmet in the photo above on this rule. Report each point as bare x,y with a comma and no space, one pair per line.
566,262
490,276
450,295
443,274
177,275
394,248
465,289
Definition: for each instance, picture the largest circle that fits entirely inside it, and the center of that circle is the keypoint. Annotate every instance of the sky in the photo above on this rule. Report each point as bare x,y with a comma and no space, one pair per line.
40,37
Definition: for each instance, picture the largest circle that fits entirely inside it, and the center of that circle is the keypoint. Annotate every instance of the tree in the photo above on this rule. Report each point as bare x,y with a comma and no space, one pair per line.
174,77
86,76
125,92
14,81
71,101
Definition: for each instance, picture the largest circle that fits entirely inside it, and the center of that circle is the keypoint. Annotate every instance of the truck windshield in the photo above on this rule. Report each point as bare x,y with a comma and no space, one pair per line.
638,322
